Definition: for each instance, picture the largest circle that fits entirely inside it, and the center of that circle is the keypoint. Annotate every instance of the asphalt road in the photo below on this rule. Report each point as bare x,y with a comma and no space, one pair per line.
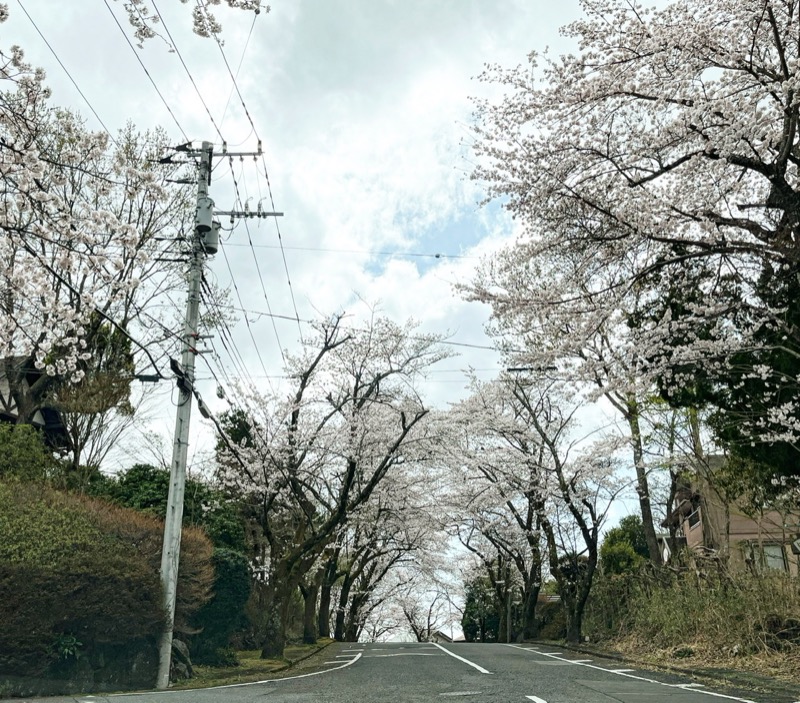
413,673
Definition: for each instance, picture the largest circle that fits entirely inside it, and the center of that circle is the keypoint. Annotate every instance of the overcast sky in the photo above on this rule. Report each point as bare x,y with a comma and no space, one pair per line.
363,109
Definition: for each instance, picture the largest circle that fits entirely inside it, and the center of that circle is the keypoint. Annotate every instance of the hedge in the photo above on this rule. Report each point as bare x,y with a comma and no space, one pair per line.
80,597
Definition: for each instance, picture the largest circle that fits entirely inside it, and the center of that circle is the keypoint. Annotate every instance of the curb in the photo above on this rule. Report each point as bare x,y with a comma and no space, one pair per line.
306,656
731,678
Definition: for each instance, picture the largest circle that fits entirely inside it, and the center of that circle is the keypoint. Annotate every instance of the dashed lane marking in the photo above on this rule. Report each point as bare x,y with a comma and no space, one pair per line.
403,654
461,693
620,672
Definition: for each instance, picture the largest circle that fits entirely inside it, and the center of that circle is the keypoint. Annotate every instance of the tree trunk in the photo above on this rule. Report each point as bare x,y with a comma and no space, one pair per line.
328,579
642,488
341,611
324,615
574,623
530,627
310,623
278,606
502,634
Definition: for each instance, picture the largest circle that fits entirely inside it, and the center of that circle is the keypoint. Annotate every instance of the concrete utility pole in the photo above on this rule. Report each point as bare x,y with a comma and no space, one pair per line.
204,242
170,553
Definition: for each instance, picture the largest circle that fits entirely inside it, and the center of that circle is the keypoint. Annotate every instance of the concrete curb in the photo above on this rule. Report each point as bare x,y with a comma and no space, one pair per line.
727,677
319,648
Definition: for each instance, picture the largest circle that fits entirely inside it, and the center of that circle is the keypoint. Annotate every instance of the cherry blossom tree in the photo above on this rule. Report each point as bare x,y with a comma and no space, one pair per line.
583,335
539,492
664,152
309,461
497,476
146,19
395,530
82,219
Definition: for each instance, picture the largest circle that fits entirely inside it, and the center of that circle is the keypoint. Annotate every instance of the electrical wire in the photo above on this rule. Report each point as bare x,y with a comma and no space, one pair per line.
266,172
280,242
69,75
258,267
238,68
230,347
147,73
247,322
186,68
371,252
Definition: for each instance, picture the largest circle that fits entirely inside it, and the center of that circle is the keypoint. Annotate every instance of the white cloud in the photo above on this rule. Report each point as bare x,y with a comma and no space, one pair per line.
362,107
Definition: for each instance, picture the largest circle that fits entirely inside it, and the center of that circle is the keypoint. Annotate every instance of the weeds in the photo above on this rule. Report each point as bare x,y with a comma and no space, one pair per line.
733,613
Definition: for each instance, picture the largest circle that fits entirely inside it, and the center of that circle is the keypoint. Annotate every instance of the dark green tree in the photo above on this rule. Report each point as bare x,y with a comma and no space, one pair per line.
481,619
145,487
624,548
224,613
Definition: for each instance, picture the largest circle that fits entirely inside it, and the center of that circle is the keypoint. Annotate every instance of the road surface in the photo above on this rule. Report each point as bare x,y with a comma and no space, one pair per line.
474,673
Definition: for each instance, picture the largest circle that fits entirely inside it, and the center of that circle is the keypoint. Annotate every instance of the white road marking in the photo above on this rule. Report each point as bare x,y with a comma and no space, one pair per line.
402,654
462,693
536,699
624,673
581,661
621,671
466,661
239,685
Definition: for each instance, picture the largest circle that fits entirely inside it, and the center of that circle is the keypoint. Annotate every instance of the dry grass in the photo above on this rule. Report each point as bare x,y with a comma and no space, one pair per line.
251,667
714,620
699,655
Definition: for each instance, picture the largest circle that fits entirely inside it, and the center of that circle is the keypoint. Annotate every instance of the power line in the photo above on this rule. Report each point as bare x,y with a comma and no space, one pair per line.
147,73
186,68
264,164
255,258
371,252
238,195
280,242
247,322
235,87
233,351
261,313
69,75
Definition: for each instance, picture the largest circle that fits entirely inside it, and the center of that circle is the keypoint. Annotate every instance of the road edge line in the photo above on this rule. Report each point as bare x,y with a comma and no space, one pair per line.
239,685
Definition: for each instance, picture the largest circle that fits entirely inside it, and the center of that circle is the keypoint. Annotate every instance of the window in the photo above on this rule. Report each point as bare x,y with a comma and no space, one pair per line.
766,557
694,518
773,557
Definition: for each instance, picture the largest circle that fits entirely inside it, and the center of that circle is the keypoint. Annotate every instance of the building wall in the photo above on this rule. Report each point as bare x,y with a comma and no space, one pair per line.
761,543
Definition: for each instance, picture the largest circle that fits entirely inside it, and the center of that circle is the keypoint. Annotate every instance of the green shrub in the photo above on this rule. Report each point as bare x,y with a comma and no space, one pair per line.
224,613
23,454
80,596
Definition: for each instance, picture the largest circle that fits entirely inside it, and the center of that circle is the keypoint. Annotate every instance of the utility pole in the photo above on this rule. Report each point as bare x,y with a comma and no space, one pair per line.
171,549
205,241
